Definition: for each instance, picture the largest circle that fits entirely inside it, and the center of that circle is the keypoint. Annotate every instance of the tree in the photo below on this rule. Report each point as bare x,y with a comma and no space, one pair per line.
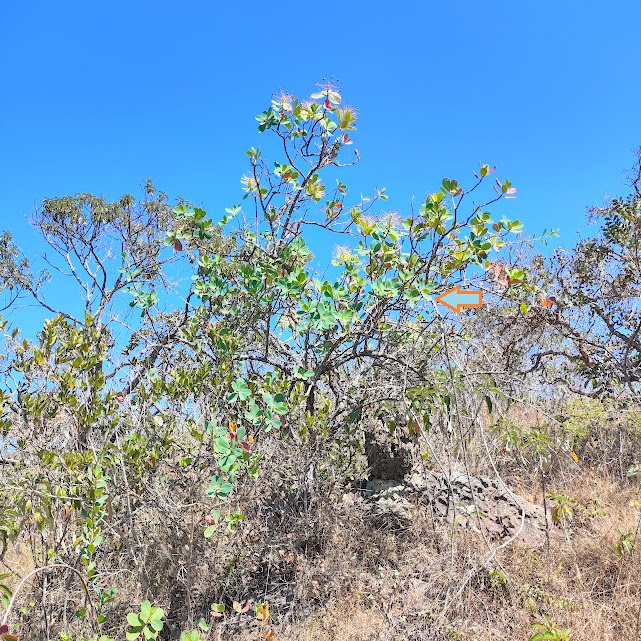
238,345
587,336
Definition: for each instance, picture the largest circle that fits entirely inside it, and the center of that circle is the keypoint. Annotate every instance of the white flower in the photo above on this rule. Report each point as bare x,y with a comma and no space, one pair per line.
249,183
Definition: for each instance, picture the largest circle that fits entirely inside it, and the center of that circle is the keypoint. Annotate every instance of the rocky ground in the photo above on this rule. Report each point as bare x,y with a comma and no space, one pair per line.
479,502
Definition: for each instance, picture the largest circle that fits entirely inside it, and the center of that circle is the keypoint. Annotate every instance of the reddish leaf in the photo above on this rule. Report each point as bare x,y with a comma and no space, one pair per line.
546,300
328,104
4,628
500,275
239,608
178,246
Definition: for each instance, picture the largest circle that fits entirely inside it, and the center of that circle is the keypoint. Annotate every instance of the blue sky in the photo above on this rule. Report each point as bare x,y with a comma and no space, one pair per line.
99,96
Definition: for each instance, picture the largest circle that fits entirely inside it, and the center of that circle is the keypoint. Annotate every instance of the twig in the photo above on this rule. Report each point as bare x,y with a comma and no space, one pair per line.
48,567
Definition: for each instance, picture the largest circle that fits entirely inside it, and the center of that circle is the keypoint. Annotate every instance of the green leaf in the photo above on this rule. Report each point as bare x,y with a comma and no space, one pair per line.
145,610
156,624
133,619
148,634
157,614
304,374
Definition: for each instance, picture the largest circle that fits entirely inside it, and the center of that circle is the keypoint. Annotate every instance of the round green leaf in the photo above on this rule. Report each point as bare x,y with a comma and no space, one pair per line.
133,619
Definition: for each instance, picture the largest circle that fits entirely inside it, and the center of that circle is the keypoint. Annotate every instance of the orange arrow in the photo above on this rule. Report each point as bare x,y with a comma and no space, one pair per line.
456,299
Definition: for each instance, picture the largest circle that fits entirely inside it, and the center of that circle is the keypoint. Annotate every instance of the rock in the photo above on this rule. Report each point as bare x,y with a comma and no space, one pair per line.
378,485
500,511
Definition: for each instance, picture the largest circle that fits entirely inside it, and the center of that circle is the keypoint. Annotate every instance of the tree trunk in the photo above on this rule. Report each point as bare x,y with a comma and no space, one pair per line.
386,460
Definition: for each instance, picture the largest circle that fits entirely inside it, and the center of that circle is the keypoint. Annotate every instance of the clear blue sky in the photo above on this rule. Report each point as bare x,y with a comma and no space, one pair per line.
98,96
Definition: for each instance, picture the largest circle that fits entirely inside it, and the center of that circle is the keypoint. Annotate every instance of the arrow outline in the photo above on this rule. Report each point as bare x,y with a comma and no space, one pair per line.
457,290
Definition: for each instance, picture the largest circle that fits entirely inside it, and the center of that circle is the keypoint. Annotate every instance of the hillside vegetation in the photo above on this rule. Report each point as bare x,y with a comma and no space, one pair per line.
207,439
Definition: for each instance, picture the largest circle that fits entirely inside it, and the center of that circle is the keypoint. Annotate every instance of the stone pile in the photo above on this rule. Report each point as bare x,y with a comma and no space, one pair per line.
460,498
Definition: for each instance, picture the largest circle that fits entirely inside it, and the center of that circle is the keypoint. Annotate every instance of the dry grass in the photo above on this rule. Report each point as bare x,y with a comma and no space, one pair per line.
18,560
371,585
329,572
